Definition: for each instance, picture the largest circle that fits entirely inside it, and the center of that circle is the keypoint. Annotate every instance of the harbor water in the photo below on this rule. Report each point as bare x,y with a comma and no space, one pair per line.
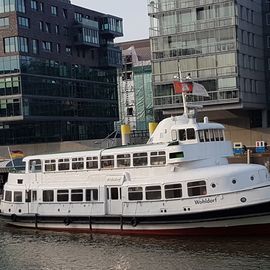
24,249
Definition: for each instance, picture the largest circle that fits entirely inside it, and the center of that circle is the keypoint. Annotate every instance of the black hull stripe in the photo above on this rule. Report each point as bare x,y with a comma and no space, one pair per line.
257,210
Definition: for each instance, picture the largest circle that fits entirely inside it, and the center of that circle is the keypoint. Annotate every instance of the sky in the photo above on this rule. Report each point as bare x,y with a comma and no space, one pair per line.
133,12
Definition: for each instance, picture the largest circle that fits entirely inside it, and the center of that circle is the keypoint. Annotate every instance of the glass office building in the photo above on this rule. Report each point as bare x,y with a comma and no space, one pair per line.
58,72
221,45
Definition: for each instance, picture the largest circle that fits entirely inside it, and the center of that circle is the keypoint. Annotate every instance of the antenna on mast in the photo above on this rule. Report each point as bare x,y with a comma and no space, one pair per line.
183,92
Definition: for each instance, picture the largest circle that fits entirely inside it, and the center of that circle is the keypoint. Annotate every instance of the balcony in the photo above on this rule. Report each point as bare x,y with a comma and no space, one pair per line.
86,33
112,26
111,56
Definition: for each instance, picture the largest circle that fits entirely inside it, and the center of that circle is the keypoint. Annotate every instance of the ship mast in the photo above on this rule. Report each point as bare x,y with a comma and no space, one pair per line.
183,92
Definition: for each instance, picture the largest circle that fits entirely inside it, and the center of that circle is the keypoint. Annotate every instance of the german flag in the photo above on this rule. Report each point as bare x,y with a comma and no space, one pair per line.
16,154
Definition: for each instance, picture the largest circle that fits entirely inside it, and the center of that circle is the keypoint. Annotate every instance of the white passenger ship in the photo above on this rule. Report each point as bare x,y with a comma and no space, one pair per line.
179,183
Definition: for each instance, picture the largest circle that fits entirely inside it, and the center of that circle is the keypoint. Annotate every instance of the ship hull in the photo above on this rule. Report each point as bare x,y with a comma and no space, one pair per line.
248,220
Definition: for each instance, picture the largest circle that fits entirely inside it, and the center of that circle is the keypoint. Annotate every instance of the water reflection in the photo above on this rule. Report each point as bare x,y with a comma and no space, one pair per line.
28,249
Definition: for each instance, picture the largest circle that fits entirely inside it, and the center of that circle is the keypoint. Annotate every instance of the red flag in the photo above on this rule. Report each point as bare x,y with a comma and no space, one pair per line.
180,87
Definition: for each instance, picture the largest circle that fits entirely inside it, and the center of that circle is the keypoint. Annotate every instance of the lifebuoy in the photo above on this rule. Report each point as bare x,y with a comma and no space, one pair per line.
134,222
67,221
13,217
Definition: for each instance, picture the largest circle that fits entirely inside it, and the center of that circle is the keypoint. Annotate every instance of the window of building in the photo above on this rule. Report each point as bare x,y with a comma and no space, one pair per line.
7,6
34,196
41,6
17,196
65,14
77,163
35,46
63,164
91,162
58,48
140,159
107,161
41,26
76,195
23,44
57,29
68,50
91,195
48,196
54,10
47,46
24,22
135,193
173,191
62,195
11,44
47,27
8,196
158,158
153,192
78,16
34,5
20,6
50,165
4,22
196,188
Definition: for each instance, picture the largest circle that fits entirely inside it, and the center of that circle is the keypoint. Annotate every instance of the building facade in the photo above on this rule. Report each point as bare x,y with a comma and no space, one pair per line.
135,85
221,44
58,72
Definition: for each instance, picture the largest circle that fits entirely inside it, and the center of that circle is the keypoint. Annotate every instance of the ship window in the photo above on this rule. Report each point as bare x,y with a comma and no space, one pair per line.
107,161
50,165
139,159
182,134
135,193
28,194
173,191
91,195
212,135
158,158
201,135
206,135
221,135
174,135
8,196
123,160
48,196
35,165
20,181
34,195
216,132
62,195
76,195
191,134
114,193
176,155
77,163
17,196
153,193
196,188
63,164
91,162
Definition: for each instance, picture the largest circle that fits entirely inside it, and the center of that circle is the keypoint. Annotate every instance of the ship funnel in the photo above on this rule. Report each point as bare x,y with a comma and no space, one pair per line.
125,134
151,127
